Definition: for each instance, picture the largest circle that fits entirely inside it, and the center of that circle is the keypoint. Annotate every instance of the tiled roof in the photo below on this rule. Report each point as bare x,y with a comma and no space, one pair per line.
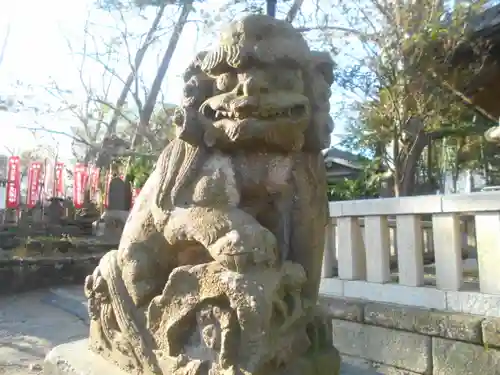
345,158
333,152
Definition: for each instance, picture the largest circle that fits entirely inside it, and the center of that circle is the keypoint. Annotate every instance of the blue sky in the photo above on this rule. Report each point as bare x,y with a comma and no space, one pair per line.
37,51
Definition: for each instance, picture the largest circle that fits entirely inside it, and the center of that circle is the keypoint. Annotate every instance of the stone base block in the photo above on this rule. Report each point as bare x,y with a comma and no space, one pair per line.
460,358
404,350
75,358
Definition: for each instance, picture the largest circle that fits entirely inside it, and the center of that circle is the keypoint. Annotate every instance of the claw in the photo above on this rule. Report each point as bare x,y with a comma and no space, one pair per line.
88,286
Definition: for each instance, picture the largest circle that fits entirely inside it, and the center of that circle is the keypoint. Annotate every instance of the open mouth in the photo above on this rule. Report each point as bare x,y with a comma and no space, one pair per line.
294,111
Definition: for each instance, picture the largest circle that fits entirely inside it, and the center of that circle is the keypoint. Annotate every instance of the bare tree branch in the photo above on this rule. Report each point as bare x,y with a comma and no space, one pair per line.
115,109
294,10
167,57
336,28
4,44
137,62
57,132
11,151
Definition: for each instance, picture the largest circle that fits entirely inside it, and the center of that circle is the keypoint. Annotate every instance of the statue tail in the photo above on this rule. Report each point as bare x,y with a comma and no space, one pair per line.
131,325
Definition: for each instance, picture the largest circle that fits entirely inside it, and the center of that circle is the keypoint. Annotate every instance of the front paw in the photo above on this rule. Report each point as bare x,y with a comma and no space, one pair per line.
231,130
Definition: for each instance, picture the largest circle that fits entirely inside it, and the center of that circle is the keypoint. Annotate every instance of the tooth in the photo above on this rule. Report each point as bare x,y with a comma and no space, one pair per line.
218,114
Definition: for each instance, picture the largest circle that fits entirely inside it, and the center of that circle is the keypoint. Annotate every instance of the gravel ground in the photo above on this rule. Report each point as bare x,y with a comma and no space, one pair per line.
29,328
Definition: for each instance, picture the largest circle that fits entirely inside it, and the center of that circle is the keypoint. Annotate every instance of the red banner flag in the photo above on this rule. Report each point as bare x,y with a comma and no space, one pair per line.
34,174
86,181
135,194
13,182
109,177
79,176
60,186
94,182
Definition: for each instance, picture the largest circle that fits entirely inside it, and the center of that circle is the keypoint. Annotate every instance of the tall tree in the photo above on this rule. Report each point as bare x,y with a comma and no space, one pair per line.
5,41
152,96
108,105
398,110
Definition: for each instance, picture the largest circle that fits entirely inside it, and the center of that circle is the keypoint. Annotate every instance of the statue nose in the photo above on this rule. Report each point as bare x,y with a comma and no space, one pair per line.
251,87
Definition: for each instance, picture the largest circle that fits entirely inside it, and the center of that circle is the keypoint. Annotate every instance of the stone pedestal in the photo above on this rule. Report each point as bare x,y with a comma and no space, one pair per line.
75,358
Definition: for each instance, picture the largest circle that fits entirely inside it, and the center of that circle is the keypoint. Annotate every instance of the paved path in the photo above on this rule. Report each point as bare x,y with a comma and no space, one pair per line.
33,323
29,328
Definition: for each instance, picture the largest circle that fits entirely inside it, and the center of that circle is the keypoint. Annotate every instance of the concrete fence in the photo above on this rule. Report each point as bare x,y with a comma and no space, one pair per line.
376,250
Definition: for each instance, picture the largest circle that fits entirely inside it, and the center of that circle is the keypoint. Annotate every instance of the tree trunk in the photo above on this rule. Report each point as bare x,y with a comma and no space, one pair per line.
429,165
455,173
149,105
4,44
147,110
294,10
139,56
408,166
454,177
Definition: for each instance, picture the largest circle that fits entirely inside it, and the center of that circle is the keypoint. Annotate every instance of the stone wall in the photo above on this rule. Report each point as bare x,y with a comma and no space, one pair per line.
20,275
401,340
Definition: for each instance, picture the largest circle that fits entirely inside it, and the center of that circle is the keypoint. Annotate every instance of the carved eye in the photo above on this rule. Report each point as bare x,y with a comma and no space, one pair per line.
226,82
289,79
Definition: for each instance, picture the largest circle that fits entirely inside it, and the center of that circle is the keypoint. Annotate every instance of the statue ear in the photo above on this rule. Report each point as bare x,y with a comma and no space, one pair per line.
324,65
326,70
321,69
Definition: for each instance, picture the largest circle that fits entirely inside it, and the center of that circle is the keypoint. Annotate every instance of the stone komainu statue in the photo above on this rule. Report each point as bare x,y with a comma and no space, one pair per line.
218,267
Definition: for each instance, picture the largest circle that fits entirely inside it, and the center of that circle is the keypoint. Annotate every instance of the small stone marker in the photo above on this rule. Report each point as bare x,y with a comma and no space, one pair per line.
55,211
119,195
